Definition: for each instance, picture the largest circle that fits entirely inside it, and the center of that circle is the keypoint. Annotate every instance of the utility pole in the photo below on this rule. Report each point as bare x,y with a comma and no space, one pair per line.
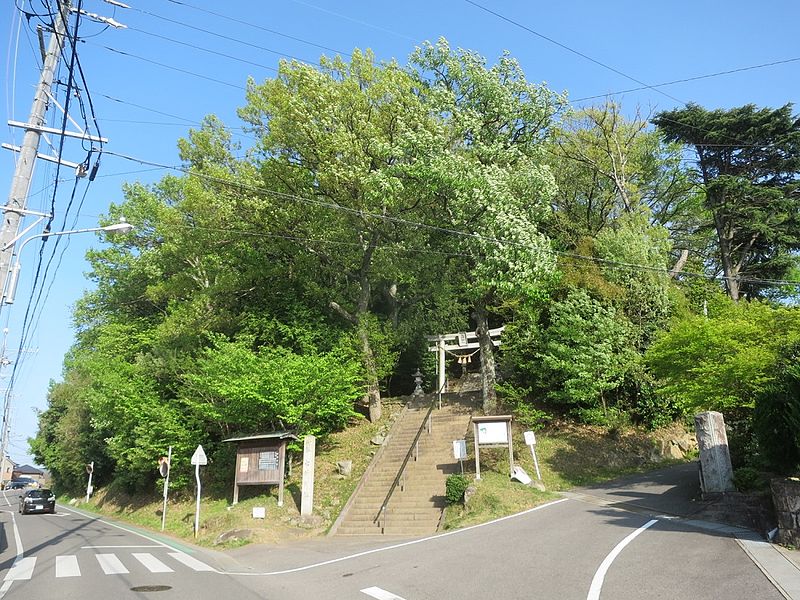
15,209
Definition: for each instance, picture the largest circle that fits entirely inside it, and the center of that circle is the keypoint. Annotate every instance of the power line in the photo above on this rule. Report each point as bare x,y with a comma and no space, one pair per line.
449,231
688,79
171,68
253,25
221,36
576,52
203,49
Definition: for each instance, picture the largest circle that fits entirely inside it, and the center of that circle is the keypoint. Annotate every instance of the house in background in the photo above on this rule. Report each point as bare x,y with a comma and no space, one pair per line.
7,467
28,471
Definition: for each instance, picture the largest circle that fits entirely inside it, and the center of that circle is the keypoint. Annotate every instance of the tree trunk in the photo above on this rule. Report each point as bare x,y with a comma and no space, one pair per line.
373,395
487,358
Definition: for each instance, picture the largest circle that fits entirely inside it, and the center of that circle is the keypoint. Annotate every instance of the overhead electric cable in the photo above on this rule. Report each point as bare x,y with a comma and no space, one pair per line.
171,68
565,47
255,26
221,36
446,230
207,50
688,79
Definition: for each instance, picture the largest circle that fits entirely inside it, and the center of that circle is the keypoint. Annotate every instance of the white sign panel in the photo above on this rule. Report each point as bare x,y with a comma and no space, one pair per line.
199,457
493,432
460,449
530,438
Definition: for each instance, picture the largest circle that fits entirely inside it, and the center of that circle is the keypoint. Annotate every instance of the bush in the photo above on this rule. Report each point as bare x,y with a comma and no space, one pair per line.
455,487
776,417
525,413
747,479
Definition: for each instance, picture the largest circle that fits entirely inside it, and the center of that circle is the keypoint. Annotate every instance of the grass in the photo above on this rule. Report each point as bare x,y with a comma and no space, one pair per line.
569,456
218,516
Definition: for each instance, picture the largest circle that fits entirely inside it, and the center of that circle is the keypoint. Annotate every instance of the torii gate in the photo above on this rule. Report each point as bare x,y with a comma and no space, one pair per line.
453,342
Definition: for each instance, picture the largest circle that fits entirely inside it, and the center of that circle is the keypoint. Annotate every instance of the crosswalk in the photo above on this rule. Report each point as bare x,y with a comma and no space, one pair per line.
109,563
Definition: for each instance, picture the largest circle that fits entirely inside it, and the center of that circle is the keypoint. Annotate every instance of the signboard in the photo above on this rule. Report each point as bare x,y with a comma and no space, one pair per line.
163,466
199,457
460,449
493,432
530,438
244,464
268,461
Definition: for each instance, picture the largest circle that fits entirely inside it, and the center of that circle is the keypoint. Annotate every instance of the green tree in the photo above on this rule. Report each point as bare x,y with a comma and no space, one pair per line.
722,361
748,163
586,352
491,179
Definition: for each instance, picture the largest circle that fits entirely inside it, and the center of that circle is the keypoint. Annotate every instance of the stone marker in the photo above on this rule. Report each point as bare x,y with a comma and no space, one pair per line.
307,493
345,467
716,472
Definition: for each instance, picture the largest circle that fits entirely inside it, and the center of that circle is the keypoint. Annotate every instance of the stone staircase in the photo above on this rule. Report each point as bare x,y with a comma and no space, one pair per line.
416,509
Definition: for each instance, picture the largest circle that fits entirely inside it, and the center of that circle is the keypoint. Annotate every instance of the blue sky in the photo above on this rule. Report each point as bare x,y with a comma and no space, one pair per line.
179,61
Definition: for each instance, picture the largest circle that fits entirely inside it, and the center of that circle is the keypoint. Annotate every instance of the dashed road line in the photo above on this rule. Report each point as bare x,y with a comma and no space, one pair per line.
380,594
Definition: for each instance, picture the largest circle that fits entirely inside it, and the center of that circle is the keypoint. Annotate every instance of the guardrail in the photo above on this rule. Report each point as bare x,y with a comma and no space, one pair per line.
400,478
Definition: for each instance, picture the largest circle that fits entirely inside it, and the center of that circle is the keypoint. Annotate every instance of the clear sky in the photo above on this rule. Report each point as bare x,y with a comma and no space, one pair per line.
179,61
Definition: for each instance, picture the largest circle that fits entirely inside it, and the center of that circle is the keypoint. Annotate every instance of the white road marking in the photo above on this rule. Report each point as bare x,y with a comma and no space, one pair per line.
20,551
380,594
22,569
67,566
191,562
600,575
439,536
102,547
152,563
110,564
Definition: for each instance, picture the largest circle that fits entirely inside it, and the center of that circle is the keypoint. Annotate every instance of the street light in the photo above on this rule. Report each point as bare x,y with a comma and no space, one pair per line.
122,227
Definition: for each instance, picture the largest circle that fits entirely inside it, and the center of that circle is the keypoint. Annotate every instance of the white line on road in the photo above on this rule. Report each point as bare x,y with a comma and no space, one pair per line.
152,563
110,564
103,547
600,575
67,566
439,536
191,562
20,551
22,569
380,594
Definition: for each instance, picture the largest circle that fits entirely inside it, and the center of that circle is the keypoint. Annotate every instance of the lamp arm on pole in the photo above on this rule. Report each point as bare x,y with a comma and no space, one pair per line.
11,288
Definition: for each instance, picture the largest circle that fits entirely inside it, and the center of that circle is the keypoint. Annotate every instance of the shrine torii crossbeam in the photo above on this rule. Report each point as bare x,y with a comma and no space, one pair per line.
453,343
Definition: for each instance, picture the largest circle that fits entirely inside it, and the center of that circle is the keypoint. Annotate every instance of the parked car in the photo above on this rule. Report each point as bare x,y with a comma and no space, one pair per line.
16,484
40,500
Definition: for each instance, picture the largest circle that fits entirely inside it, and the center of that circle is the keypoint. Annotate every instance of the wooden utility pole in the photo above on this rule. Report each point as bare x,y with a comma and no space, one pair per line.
15,209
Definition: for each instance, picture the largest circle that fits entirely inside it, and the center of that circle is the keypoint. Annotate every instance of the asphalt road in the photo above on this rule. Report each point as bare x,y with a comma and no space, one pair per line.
569,549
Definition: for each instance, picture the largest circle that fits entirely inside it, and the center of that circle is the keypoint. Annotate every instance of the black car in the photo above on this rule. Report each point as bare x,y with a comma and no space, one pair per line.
16,485
41,500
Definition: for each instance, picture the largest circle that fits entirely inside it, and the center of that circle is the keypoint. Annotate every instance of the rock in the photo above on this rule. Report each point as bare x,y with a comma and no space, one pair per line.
469,493
535,483
673,450
73,502
234,535
345,467
311,521
378,440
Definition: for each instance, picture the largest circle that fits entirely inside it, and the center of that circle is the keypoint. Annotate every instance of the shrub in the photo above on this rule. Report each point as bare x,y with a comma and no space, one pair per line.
455,487
776,417
747,479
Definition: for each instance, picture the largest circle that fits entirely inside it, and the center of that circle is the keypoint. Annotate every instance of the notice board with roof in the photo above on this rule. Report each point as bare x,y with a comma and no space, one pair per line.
261,460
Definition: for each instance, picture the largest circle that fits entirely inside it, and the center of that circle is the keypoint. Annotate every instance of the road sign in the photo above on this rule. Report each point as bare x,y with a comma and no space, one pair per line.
90,468
199,457
163,466
530,438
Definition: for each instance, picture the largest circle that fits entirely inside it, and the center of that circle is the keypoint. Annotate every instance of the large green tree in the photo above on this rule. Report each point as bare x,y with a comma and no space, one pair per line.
748,162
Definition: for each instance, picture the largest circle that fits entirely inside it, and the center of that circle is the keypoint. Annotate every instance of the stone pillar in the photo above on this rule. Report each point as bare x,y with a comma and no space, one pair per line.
716,472
307,493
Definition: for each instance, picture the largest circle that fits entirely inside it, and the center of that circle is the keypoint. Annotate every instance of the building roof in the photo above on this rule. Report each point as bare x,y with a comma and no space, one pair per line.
275,435
28,470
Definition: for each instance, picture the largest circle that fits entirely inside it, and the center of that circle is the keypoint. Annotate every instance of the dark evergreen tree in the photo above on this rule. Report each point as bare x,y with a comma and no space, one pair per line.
748,163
